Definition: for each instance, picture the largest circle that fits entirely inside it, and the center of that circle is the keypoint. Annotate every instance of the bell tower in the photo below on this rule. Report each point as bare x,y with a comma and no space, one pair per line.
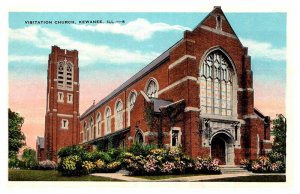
62,108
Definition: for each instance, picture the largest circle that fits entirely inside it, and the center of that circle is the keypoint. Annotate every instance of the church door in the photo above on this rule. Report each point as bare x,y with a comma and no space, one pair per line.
218,150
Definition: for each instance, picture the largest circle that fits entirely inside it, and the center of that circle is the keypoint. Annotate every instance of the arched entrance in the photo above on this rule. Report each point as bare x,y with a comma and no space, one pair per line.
218,149
222,147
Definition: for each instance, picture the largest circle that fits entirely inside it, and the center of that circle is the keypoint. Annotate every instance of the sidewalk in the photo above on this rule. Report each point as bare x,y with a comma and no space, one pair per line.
123,177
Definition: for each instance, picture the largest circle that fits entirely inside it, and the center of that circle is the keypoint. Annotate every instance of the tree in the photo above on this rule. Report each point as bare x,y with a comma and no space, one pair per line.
279,133
16,137
29,158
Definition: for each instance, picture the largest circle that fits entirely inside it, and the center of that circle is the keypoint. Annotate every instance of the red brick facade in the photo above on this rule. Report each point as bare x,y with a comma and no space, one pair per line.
175,111
62,111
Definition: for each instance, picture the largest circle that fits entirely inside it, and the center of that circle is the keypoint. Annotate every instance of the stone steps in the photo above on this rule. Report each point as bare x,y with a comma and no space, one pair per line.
226,169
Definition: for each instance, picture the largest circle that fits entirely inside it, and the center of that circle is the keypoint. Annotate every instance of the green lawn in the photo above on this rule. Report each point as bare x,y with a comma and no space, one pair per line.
254,178
161,177
49,175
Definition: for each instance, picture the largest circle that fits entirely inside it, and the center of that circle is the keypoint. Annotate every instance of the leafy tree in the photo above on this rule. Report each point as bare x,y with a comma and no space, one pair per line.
279,133
29,158
15,135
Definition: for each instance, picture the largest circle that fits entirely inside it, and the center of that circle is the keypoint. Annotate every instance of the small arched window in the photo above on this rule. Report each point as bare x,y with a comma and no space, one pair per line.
132,99
60,74
138,138
152,89
92,128
69,75
119,115
99,124
108,120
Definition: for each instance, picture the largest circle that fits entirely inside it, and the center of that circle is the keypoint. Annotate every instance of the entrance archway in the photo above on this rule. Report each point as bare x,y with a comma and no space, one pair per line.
218,149
222,147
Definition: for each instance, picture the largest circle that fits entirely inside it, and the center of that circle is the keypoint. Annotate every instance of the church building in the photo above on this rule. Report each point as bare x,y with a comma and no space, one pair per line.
198,95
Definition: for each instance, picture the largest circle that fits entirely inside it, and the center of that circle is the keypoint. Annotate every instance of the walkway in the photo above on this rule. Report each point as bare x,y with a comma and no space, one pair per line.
123,177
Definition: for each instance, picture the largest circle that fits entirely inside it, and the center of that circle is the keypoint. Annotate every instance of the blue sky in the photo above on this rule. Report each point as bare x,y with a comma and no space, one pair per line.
109,55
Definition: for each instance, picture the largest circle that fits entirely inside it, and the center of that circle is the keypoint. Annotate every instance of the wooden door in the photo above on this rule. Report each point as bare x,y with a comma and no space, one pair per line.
218,150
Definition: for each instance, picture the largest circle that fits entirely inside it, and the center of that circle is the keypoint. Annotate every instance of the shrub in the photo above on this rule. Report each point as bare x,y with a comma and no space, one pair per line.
113,166
263,164
14,162
72,150
71,166
99,155
140,149
88,167
206,166
134,164
100,166
47,165
115,153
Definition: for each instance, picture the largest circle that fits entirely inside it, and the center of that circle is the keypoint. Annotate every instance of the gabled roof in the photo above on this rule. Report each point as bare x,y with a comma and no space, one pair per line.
159,102
147,69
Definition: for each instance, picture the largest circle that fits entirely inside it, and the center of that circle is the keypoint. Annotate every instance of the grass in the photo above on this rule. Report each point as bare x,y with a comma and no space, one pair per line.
254,178
49,175
161,177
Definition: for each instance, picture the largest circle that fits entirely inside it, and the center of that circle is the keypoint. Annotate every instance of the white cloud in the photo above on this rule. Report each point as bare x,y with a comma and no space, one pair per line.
264,50
140,29
88,53
25,58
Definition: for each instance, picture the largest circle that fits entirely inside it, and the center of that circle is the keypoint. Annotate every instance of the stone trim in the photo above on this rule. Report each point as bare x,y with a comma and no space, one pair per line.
266,141
218,31
145,96
64,115
177,83
253,116
193,109
178,61
245,89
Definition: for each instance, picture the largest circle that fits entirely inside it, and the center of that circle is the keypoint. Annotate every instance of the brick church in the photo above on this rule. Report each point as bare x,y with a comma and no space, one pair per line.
198,95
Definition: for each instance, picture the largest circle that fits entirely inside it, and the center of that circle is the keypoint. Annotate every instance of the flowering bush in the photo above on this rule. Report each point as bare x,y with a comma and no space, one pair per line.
113,166
263,164
206,166
71,166
173,161
99,166
167,167
47,165
88,167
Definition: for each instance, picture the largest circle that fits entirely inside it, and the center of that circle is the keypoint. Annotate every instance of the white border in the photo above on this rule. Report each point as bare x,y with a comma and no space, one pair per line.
288,6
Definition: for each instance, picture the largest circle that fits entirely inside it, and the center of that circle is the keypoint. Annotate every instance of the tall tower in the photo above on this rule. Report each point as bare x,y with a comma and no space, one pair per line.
62,111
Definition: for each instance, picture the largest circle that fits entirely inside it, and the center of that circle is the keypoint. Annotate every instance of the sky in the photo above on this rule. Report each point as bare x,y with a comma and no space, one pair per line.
109,54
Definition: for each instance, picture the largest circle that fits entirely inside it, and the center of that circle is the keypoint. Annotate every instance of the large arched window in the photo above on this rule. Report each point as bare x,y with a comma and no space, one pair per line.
65,75
119,115
152,89
84,131
91,128
107,120
216,84
131,102
98,124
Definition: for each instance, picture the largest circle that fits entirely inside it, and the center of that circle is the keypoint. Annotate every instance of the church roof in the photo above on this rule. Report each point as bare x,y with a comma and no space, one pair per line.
151,66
